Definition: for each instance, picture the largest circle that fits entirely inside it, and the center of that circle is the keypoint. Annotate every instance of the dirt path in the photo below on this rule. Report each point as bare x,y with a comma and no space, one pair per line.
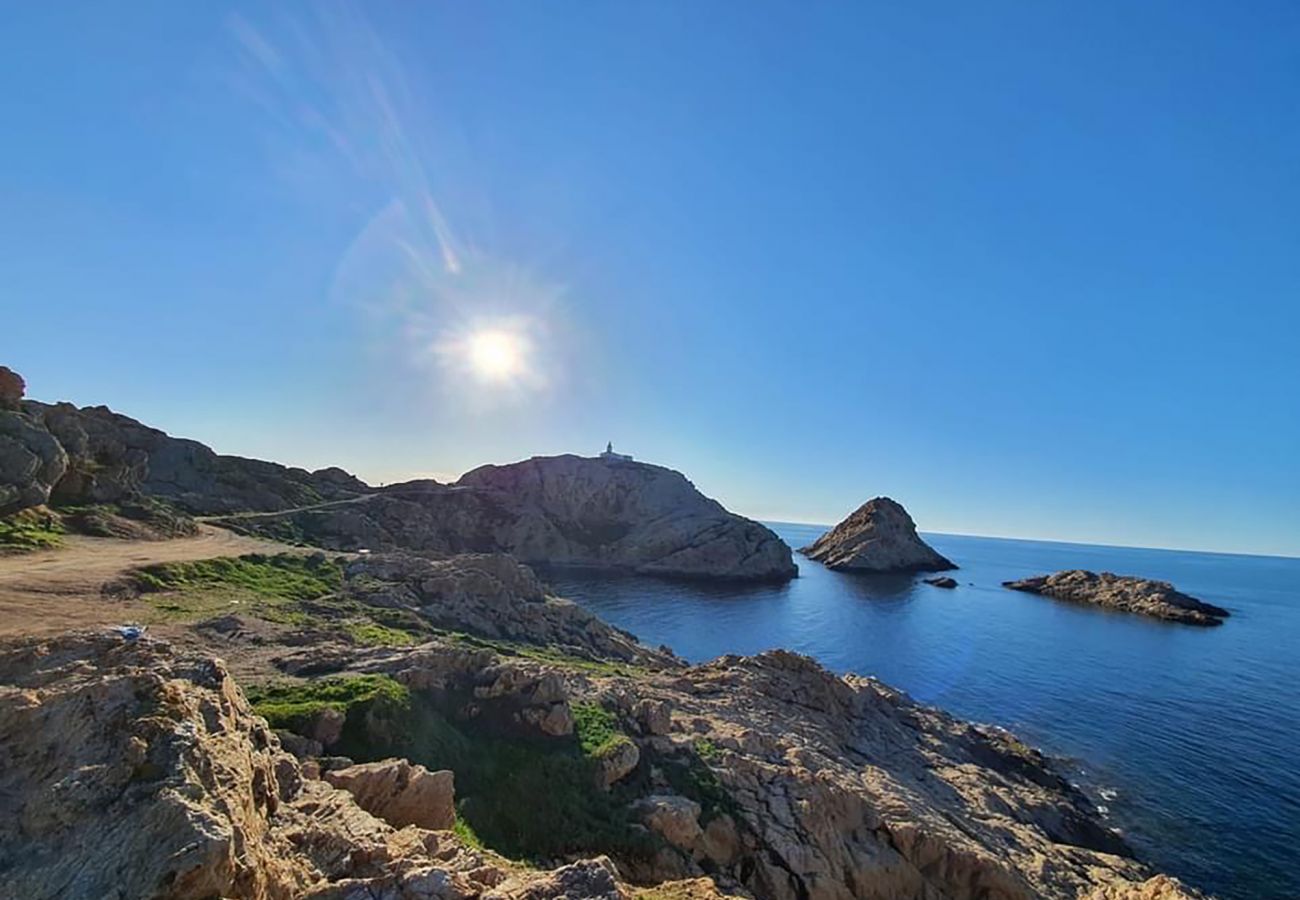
56,590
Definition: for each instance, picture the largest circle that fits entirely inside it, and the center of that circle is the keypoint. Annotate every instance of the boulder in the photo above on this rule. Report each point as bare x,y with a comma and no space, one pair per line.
400,793
617,763
943,581
1157,599
878,537
675,819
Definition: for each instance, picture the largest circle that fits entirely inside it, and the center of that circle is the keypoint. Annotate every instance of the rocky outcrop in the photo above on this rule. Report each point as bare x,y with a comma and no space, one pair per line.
130,771
943,581
878,537
1157,599
554,511
492,596
31,462
12,388
400,793
113,458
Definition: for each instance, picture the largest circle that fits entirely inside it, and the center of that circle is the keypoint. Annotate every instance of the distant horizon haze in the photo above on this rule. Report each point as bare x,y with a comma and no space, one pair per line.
1030,269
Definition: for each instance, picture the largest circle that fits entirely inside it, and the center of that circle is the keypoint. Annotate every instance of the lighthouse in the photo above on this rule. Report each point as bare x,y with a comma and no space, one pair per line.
611,456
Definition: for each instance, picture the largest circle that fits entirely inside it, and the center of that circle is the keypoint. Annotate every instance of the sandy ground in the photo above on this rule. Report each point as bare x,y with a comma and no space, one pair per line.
58,590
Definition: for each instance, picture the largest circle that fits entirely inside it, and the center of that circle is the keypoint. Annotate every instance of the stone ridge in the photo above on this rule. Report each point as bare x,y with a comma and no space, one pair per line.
879,536
1126,593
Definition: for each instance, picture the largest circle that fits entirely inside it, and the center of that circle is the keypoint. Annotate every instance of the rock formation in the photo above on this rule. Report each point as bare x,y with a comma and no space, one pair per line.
131,771
943,581
1158,599
400,793
12,388
31,462
557,511
878,537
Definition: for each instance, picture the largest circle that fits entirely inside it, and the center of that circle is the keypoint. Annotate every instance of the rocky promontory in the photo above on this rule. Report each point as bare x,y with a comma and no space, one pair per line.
878,537
1144,596
558,511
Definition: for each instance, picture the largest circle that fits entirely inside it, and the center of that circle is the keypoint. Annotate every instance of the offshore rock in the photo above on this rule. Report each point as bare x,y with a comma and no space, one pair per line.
1157,599
878,537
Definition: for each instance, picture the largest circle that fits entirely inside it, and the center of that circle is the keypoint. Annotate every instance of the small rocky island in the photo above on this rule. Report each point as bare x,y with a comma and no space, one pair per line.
878,537
1158,599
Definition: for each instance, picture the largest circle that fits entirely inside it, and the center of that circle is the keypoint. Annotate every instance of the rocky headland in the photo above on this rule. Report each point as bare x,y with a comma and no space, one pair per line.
1125,593
879,536
553,511
116,476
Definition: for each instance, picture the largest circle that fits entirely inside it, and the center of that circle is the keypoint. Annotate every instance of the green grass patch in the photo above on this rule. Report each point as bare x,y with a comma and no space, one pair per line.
282,576
597,729
293,706
30,529
691,777
373,634
551,655
273,588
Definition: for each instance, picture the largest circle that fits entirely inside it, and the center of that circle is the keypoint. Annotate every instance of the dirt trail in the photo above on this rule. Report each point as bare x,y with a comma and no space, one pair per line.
55,590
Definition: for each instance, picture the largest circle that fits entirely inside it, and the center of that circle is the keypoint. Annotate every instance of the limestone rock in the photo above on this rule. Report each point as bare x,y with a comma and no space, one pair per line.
400,793
1158,599
878,537
1161,887
943,581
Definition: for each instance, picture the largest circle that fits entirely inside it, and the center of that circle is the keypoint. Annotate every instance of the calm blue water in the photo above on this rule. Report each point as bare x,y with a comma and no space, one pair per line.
1188,736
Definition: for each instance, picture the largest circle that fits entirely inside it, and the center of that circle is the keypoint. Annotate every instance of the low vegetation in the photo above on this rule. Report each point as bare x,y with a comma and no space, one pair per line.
288,589
551,655
30,529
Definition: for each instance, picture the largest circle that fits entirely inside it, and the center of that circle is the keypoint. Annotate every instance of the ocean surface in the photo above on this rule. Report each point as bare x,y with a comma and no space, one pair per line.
1187,738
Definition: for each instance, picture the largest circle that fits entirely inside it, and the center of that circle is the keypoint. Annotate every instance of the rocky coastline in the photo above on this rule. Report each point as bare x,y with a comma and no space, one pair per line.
381,699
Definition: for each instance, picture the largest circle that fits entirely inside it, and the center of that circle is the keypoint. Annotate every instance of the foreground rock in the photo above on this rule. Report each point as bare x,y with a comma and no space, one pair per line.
128,771
400,793
556,511
1157,599
878,537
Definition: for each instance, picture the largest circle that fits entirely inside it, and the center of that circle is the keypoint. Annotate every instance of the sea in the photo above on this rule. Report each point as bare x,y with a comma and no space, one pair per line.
1187,739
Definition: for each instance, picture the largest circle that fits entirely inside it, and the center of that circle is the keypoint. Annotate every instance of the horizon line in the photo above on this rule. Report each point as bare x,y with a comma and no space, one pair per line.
1076,543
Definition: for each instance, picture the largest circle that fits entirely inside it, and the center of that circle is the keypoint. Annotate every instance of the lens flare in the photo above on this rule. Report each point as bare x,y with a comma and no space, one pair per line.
495,355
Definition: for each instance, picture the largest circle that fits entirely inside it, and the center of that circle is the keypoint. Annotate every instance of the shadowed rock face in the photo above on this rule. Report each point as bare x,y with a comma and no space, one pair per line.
878,537
1158,599
112,458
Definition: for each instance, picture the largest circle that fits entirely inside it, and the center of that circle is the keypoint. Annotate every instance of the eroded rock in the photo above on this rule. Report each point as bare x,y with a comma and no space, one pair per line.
400,793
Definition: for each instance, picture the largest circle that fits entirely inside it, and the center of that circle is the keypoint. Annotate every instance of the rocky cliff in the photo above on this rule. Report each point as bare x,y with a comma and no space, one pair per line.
558,511
878,537
1157,599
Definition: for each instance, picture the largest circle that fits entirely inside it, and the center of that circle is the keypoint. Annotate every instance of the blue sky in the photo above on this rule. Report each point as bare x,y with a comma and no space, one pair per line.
1033,268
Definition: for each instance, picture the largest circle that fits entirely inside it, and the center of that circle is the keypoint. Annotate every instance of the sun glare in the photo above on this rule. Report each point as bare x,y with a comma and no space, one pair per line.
496,355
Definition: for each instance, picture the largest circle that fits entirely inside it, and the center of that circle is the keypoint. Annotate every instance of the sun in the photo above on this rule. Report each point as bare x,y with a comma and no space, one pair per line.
495,355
